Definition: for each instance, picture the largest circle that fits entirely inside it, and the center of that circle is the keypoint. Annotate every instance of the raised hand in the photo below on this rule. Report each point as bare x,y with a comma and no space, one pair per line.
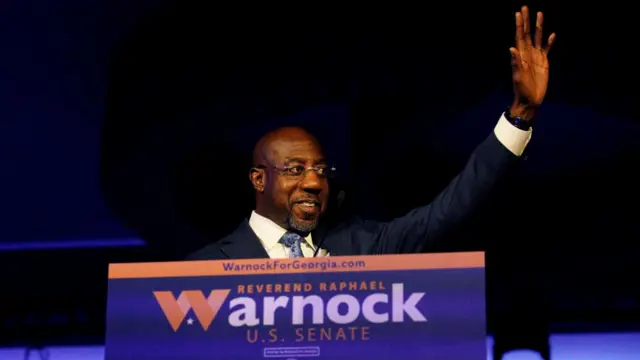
530,66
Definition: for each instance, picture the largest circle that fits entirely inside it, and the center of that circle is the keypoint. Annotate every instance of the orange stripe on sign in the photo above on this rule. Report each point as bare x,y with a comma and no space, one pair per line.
292,266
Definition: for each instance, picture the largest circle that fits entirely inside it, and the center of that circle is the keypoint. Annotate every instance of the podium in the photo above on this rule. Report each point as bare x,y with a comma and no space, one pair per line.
418,306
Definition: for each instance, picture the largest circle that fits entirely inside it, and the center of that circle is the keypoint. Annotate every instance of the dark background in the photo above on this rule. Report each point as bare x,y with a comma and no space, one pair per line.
134,120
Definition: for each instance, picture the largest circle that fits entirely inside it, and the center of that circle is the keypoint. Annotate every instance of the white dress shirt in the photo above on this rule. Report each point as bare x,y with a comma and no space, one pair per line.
511,137
269,232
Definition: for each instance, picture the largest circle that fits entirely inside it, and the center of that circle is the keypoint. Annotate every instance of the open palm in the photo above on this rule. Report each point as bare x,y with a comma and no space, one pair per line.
530,66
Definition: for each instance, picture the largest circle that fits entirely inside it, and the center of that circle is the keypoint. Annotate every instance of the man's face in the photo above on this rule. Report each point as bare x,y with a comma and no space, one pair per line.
295,188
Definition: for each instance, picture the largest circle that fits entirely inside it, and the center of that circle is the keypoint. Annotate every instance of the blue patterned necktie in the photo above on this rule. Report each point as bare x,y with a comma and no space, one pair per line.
293,241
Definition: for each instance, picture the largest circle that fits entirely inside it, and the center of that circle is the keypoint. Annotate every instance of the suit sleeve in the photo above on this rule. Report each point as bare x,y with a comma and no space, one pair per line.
422,227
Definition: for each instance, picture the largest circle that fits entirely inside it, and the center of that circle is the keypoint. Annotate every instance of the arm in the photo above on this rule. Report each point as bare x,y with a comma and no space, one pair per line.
421,228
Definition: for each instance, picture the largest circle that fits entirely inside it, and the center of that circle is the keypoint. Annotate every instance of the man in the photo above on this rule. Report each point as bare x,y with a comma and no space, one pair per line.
292,190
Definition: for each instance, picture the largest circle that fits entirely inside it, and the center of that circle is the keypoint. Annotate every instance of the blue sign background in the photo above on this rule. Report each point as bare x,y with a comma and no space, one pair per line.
454,305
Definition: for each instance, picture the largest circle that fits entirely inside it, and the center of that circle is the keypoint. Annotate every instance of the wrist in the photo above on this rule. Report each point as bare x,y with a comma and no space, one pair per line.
522,110
520,115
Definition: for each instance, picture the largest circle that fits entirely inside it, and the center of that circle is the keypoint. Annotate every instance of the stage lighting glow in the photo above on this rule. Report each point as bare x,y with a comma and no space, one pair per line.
619,346
70,244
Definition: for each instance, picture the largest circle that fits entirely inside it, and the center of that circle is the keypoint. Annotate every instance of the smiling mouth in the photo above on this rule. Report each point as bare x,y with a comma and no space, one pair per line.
308,206
308,203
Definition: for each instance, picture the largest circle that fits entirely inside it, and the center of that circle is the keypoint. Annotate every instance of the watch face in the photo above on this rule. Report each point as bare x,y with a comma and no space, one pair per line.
518,122
522,124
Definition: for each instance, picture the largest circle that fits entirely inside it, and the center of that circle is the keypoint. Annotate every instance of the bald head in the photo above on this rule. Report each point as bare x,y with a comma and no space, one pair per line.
289,178
280,139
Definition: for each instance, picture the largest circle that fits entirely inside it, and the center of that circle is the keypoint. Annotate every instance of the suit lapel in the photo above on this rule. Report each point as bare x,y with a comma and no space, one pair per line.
330,241
243,244
318,236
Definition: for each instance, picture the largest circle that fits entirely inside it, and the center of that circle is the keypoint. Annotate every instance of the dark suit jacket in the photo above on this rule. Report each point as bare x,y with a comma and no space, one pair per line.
417,231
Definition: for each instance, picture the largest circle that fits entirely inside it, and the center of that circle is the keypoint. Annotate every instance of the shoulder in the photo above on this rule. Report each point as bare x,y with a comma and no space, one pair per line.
352,236
355,223
210,252
214,251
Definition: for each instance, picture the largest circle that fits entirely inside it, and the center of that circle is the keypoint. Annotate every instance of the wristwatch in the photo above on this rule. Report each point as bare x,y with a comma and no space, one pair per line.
517,121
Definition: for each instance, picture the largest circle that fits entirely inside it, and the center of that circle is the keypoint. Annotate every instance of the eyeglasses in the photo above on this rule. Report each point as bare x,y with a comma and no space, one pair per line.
297,171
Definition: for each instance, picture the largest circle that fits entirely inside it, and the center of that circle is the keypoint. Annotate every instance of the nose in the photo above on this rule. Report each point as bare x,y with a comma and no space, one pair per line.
311,182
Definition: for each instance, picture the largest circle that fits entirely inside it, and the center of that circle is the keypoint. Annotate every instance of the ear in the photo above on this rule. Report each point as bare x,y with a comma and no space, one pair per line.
256,176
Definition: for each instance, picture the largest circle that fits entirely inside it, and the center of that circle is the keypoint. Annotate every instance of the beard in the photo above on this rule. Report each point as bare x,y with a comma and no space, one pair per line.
302,226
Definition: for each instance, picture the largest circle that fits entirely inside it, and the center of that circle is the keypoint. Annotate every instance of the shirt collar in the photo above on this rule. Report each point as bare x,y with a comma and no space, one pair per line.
269,232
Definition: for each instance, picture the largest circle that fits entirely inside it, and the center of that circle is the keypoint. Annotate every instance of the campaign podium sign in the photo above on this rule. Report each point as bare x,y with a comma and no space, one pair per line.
417,306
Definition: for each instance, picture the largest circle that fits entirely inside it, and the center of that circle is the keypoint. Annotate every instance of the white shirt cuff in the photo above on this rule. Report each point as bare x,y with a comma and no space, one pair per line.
511,137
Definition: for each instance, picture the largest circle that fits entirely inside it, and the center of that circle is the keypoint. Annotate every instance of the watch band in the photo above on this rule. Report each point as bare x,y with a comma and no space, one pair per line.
517,121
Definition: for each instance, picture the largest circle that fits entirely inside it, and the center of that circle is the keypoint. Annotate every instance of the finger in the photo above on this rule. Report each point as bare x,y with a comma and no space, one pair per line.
552,39
519,31
538,38
516,61
527,25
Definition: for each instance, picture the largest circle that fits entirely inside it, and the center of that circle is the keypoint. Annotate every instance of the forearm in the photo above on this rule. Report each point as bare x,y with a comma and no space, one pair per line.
422,228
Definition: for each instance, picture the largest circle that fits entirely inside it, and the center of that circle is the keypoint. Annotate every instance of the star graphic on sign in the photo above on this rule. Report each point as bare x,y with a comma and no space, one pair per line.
189,321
